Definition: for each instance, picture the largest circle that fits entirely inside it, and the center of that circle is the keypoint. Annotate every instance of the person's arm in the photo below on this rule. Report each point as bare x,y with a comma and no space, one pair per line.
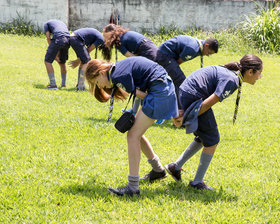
91,48
140,94
129,54
180,61
208,103
48,35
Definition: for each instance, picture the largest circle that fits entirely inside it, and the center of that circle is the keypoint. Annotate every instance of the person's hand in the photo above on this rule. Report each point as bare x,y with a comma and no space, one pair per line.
74,63
177,121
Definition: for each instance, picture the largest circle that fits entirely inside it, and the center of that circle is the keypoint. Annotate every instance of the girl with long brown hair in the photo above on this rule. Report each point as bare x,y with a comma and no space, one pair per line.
129,43
154,86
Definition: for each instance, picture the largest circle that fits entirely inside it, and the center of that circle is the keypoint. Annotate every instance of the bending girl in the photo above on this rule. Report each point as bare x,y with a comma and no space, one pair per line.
197,94
154,86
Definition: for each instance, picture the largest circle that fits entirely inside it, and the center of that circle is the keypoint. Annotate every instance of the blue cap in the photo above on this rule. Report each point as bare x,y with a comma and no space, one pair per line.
190,116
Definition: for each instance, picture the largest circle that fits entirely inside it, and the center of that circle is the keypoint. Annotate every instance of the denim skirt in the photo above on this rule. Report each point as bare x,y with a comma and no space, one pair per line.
161,101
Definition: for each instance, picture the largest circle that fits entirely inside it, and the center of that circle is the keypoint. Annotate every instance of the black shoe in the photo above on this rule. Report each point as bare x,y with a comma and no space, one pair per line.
200,186
176,174
153,175
51,87
124,191
82,88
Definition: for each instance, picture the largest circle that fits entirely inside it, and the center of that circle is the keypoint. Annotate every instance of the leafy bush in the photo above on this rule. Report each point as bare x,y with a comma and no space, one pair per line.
20,26
263,30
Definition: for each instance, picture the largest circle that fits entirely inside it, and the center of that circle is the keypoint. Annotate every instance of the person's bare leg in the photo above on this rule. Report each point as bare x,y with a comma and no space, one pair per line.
134,136
135,140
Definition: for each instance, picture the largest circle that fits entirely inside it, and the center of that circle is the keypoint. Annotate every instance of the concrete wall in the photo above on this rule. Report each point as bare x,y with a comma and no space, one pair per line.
38,11
138,15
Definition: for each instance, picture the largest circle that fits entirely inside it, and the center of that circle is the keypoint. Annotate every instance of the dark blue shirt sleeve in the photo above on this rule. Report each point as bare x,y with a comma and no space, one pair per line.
46,27
125,82
98,42
122,49
188,53
225,88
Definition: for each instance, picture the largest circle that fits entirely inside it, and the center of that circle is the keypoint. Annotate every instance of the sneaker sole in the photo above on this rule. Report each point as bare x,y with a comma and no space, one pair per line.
158,179
168,171
121,195
151,181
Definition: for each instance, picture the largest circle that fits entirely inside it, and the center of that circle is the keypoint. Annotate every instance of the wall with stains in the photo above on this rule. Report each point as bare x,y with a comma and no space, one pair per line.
138,15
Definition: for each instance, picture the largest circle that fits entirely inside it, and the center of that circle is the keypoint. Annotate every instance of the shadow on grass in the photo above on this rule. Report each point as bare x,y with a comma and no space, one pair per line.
42,86
39,86
182,191
168,124
178,191
102,120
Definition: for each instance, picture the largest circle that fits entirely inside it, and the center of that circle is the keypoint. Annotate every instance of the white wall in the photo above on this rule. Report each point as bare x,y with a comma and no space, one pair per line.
38,11
138,15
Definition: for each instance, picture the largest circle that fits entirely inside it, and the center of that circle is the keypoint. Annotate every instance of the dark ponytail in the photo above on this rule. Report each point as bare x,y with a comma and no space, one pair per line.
106,52
248,61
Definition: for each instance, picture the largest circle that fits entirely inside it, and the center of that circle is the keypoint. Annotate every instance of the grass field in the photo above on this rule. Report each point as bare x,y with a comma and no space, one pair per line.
58,155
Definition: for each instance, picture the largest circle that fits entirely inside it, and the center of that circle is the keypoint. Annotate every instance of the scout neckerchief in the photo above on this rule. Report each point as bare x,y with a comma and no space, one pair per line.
201,50
238,96
112,68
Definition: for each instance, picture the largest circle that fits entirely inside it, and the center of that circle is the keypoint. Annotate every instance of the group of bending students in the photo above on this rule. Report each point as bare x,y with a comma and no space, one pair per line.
165,92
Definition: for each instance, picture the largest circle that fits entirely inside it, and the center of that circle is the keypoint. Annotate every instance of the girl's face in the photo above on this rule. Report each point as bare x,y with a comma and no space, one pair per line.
106,35
251,77
102,81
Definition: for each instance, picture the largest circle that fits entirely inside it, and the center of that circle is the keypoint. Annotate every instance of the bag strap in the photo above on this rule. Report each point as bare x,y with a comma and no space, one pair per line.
111,104
132,94
201,50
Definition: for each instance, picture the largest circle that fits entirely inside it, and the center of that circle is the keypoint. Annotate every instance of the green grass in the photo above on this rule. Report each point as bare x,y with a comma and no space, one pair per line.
58,155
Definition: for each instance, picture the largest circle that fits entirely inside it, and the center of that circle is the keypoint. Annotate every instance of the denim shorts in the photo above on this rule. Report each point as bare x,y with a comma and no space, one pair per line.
60,45
80,49
207,130
161,101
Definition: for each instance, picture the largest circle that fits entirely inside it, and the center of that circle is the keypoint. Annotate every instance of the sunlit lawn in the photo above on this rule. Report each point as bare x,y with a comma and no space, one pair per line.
58,155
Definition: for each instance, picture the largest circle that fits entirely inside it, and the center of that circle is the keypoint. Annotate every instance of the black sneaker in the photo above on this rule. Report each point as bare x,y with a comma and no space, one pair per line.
153,175
51,87
176,174
200,186
81,89
124,191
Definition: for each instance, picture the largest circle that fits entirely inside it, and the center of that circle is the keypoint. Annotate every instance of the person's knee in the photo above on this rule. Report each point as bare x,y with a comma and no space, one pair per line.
133,135
47,63
210,149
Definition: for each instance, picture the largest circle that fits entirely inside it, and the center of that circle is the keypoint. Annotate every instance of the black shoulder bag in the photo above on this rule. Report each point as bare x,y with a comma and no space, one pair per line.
126,121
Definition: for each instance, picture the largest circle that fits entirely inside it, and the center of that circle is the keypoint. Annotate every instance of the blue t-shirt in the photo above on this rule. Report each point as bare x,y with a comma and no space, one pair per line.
212,79
130,41
136,72
57,28
182,46
90,36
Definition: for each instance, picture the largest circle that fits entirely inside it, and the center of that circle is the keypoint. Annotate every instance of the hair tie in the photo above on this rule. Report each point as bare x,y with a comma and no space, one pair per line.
239,66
